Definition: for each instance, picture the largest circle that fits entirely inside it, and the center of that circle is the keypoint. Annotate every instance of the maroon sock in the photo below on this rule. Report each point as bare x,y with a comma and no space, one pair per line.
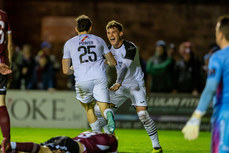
5,122
27,147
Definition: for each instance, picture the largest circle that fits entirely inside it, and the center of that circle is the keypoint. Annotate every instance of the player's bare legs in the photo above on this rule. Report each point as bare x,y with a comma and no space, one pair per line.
108,114
5,124
91,117
150,127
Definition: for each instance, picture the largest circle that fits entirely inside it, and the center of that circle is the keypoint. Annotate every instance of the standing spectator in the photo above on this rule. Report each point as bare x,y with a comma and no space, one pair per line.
15,82
187,71
85,53
159,69
216,89
46,50
42,75
27,66
5,36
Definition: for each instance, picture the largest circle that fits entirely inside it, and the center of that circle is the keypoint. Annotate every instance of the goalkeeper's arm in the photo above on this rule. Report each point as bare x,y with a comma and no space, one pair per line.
191,129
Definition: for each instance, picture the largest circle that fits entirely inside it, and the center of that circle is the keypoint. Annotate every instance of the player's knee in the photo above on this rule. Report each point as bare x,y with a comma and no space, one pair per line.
143,116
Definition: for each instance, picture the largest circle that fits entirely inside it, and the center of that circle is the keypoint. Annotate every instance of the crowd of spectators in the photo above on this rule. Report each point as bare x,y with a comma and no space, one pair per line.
183,73
170,69
34,72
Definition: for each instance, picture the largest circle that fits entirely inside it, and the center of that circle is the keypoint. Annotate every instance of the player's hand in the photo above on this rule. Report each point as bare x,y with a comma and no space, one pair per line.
191,128
4,69
115,87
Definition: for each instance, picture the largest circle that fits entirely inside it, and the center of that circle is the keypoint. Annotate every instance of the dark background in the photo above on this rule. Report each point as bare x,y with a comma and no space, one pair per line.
144,22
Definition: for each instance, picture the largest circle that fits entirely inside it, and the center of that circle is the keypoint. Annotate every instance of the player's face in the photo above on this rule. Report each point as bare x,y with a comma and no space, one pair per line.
115,37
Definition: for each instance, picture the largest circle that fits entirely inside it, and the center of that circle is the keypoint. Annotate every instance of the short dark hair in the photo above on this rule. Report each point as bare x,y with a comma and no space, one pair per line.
114,24
83,23
63,143
224,25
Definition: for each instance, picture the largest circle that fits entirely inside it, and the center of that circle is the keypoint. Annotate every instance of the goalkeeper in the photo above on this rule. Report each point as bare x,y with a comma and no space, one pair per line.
216,89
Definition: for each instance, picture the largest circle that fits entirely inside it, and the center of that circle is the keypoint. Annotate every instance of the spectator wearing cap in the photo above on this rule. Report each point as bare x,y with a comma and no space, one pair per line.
187,74
159,69
46,50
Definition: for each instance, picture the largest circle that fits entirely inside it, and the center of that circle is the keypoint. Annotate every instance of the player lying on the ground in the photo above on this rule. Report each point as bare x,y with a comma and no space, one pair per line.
4,69
86,142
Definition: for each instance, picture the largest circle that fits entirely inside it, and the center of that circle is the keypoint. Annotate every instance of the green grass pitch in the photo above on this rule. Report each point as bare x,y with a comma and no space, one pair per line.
130,140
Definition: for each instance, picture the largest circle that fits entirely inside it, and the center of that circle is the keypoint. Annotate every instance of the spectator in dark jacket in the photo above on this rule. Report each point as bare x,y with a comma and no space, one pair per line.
27,66
187,75
42,75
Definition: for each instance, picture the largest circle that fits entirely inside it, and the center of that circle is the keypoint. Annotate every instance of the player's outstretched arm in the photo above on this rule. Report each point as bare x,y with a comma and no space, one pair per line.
191,128
121,75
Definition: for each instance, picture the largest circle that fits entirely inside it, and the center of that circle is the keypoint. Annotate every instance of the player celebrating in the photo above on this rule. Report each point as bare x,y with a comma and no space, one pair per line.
130,80
86,142
85,53
216,85
5,38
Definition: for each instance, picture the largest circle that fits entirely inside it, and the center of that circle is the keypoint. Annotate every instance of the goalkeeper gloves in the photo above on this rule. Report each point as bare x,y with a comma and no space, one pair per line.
191,128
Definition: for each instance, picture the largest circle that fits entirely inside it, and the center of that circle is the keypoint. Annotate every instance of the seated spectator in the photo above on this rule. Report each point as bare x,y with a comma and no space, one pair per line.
159,69
187,71
27,66
42,75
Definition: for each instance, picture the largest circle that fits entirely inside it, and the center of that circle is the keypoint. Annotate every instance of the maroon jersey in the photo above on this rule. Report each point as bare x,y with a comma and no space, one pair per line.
4,28
97,142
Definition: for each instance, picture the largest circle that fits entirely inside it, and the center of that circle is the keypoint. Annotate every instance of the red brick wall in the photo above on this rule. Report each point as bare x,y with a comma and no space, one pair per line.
144,22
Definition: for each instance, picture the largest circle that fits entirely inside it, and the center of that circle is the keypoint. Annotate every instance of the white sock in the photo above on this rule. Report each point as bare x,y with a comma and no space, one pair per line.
13,145
95,126
102,120
107,110
155,142
150,127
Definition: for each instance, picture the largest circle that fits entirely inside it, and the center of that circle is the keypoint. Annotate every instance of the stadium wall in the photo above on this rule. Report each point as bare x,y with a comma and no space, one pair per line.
60,109
43,109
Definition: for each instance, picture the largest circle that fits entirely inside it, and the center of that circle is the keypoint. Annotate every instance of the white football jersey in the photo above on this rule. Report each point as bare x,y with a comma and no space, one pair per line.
86,52
134,74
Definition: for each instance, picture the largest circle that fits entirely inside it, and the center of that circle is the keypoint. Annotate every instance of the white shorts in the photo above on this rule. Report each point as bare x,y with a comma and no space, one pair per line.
92,90
137,96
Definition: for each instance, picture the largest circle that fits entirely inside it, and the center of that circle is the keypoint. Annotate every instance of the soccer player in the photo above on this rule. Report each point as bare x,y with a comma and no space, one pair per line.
86,142
217,87
85,53
130,81
5,44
